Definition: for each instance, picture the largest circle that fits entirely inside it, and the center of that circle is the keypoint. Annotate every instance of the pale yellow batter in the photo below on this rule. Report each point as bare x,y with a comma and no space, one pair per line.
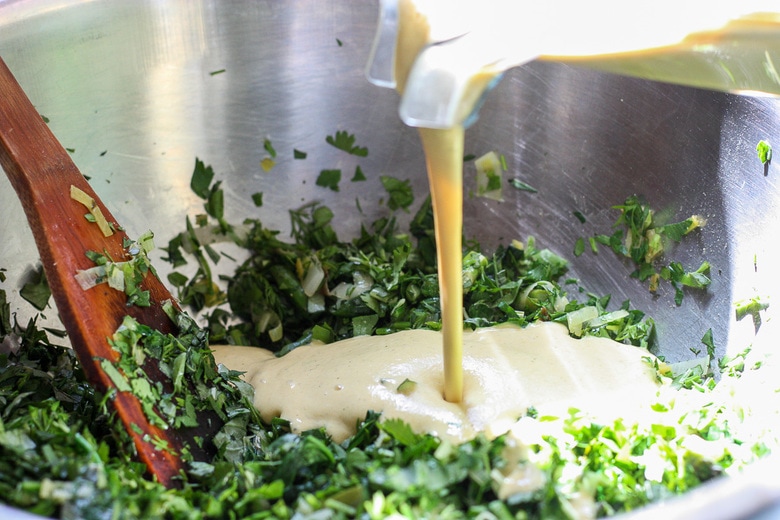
506,371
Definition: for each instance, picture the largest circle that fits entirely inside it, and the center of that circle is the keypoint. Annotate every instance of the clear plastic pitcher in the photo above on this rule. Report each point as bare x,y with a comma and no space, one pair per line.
443,55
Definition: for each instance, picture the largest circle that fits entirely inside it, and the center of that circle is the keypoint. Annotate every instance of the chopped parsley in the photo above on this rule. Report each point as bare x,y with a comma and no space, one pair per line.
345,141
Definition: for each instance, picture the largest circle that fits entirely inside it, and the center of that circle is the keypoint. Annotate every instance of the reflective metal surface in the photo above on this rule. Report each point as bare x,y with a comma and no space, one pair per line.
133,88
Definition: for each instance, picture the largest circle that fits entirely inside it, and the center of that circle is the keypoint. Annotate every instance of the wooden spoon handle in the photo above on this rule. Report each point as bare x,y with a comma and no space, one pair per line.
42,173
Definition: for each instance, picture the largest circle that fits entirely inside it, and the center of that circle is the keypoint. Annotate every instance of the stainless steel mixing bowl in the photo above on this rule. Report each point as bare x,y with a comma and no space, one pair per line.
138,90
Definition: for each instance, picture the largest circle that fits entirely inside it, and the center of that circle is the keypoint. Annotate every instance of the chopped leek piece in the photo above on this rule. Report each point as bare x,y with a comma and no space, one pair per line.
407,387
91,205
490,176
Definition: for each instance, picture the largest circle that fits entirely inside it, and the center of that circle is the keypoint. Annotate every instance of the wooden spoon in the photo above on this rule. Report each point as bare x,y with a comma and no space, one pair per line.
42,173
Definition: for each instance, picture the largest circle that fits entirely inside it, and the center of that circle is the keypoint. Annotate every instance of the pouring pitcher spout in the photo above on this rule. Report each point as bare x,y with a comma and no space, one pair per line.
443,58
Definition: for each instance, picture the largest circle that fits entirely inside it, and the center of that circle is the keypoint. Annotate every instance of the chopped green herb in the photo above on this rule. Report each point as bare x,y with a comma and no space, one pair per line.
764,150
177,279
201,179
269,148
579,247
752,307
63,449
522,186
125,276
345,141
384,281
709,342
215,72
637,237
580,216
257,198
329,179
400,192
359,175
297,154
36,290
65,456
594,245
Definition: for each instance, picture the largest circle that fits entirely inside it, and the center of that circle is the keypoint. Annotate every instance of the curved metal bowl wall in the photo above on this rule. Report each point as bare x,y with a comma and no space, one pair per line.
138,90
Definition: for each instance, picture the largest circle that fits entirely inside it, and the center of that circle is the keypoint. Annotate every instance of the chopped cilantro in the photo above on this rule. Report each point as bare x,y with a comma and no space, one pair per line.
297,154
216,72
